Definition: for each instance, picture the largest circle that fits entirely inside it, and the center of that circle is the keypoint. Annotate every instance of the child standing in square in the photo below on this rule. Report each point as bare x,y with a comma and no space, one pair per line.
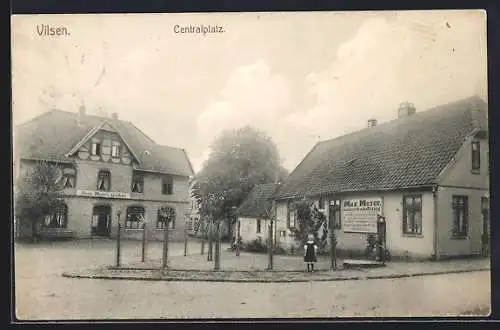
310,251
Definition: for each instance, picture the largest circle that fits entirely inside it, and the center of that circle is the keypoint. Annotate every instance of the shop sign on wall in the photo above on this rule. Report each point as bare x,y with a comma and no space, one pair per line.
102,194
360,215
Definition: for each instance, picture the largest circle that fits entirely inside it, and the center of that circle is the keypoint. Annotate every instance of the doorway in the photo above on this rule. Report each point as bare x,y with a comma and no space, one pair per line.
101,221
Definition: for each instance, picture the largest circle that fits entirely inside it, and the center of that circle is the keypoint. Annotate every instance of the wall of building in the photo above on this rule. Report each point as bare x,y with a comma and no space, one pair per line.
459,179
449,246
399,244
80,211
459,172
248,229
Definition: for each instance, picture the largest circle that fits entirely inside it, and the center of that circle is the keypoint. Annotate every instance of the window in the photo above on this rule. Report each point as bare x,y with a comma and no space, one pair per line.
134,216
290,218
258,226
460,216
115,150
476,156
138,183
412,215
104,180
321,204
96,149
69,177
58,218
167,186
334,214
166,214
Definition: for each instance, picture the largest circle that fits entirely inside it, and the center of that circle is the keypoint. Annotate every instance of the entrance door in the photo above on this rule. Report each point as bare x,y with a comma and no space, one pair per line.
101,221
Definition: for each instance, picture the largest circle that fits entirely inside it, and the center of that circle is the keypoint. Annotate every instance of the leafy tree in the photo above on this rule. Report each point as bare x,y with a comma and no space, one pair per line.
309,221
238,160
38,193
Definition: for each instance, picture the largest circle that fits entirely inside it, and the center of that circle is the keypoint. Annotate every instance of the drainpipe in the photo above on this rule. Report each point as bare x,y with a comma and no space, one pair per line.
435,234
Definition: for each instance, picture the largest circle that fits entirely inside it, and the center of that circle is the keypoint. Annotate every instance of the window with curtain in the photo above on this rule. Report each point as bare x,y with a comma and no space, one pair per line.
58,218
460,216
412,215
167,187
135,214
476,156
138,183
69,177
334,214
166,216
104,180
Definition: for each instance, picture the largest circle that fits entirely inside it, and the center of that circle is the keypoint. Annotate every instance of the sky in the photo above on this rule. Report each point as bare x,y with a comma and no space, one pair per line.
299,77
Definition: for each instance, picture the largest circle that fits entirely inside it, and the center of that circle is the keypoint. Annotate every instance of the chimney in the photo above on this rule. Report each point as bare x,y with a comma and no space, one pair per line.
114,116
406,109
372,122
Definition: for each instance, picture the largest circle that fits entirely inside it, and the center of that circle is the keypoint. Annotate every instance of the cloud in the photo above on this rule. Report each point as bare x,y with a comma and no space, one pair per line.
390,60
252,95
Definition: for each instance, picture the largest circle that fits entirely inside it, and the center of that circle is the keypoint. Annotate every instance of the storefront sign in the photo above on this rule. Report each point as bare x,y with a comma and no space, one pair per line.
360,215
102,194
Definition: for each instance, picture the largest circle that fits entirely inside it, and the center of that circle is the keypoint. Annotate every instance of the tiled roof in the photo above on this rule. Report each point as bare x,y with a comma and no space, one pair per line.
258,202
406,152
52,135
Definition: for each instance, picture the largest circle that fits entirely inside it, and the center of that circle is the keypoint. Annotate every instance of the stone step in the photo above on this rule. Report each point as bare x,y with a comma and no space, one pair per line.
362,263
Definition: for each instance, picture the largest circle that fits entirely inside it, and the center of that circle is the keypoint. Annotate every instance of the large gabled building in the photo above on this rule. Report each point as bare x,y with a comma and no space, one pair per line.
426,172
108,167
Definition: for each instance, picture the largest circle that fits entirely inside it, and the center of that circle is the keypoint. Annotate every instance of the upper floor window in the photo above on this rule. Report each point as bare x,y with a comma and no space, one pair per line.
57,218
104,180
138,183
166,215
460,216
476,156
167,185
412,215
115,150
69,177
291,216
96,148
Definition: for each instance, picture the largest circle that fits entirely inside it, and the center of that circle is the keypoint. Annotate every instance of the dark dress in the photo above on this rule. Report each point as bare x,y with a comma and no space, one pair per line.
310,253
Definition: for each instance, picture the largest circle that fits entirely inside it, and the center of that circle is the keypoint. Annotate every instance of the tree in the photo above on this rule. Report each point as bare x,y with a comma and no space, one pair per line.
38,193
310,220
238,160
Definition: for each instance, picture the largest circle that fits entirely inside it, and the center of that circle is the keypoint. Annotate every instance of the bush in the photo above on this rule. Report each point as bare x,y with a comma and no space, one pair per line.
255,246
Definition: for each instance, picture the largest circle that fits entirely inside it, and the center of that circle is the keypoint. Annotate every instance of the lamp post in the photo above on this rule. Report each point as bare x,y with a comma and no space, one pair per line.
144,239
166,223
118,234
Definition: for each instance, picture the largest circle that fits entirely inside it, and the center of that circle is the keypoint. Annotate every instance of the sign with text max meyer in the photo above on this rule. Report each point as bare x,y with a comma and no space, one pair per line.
360,215
102,194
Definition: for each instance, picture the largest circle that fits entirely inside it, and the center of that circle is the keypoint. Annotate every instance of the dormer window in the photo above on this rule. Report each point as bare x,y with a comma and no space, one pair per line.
115,150
476,156
167,186
104,180
96,148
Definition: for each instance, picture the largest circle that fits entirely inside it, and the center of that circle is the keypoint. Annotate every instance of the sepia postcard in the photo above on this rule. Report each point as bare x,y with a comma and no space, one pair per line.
250,165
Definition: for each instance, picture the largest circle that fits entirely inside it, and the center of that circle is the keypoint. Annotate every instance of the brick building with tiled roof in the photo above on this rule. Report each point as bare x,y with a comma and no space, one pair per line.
425,172
109,166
